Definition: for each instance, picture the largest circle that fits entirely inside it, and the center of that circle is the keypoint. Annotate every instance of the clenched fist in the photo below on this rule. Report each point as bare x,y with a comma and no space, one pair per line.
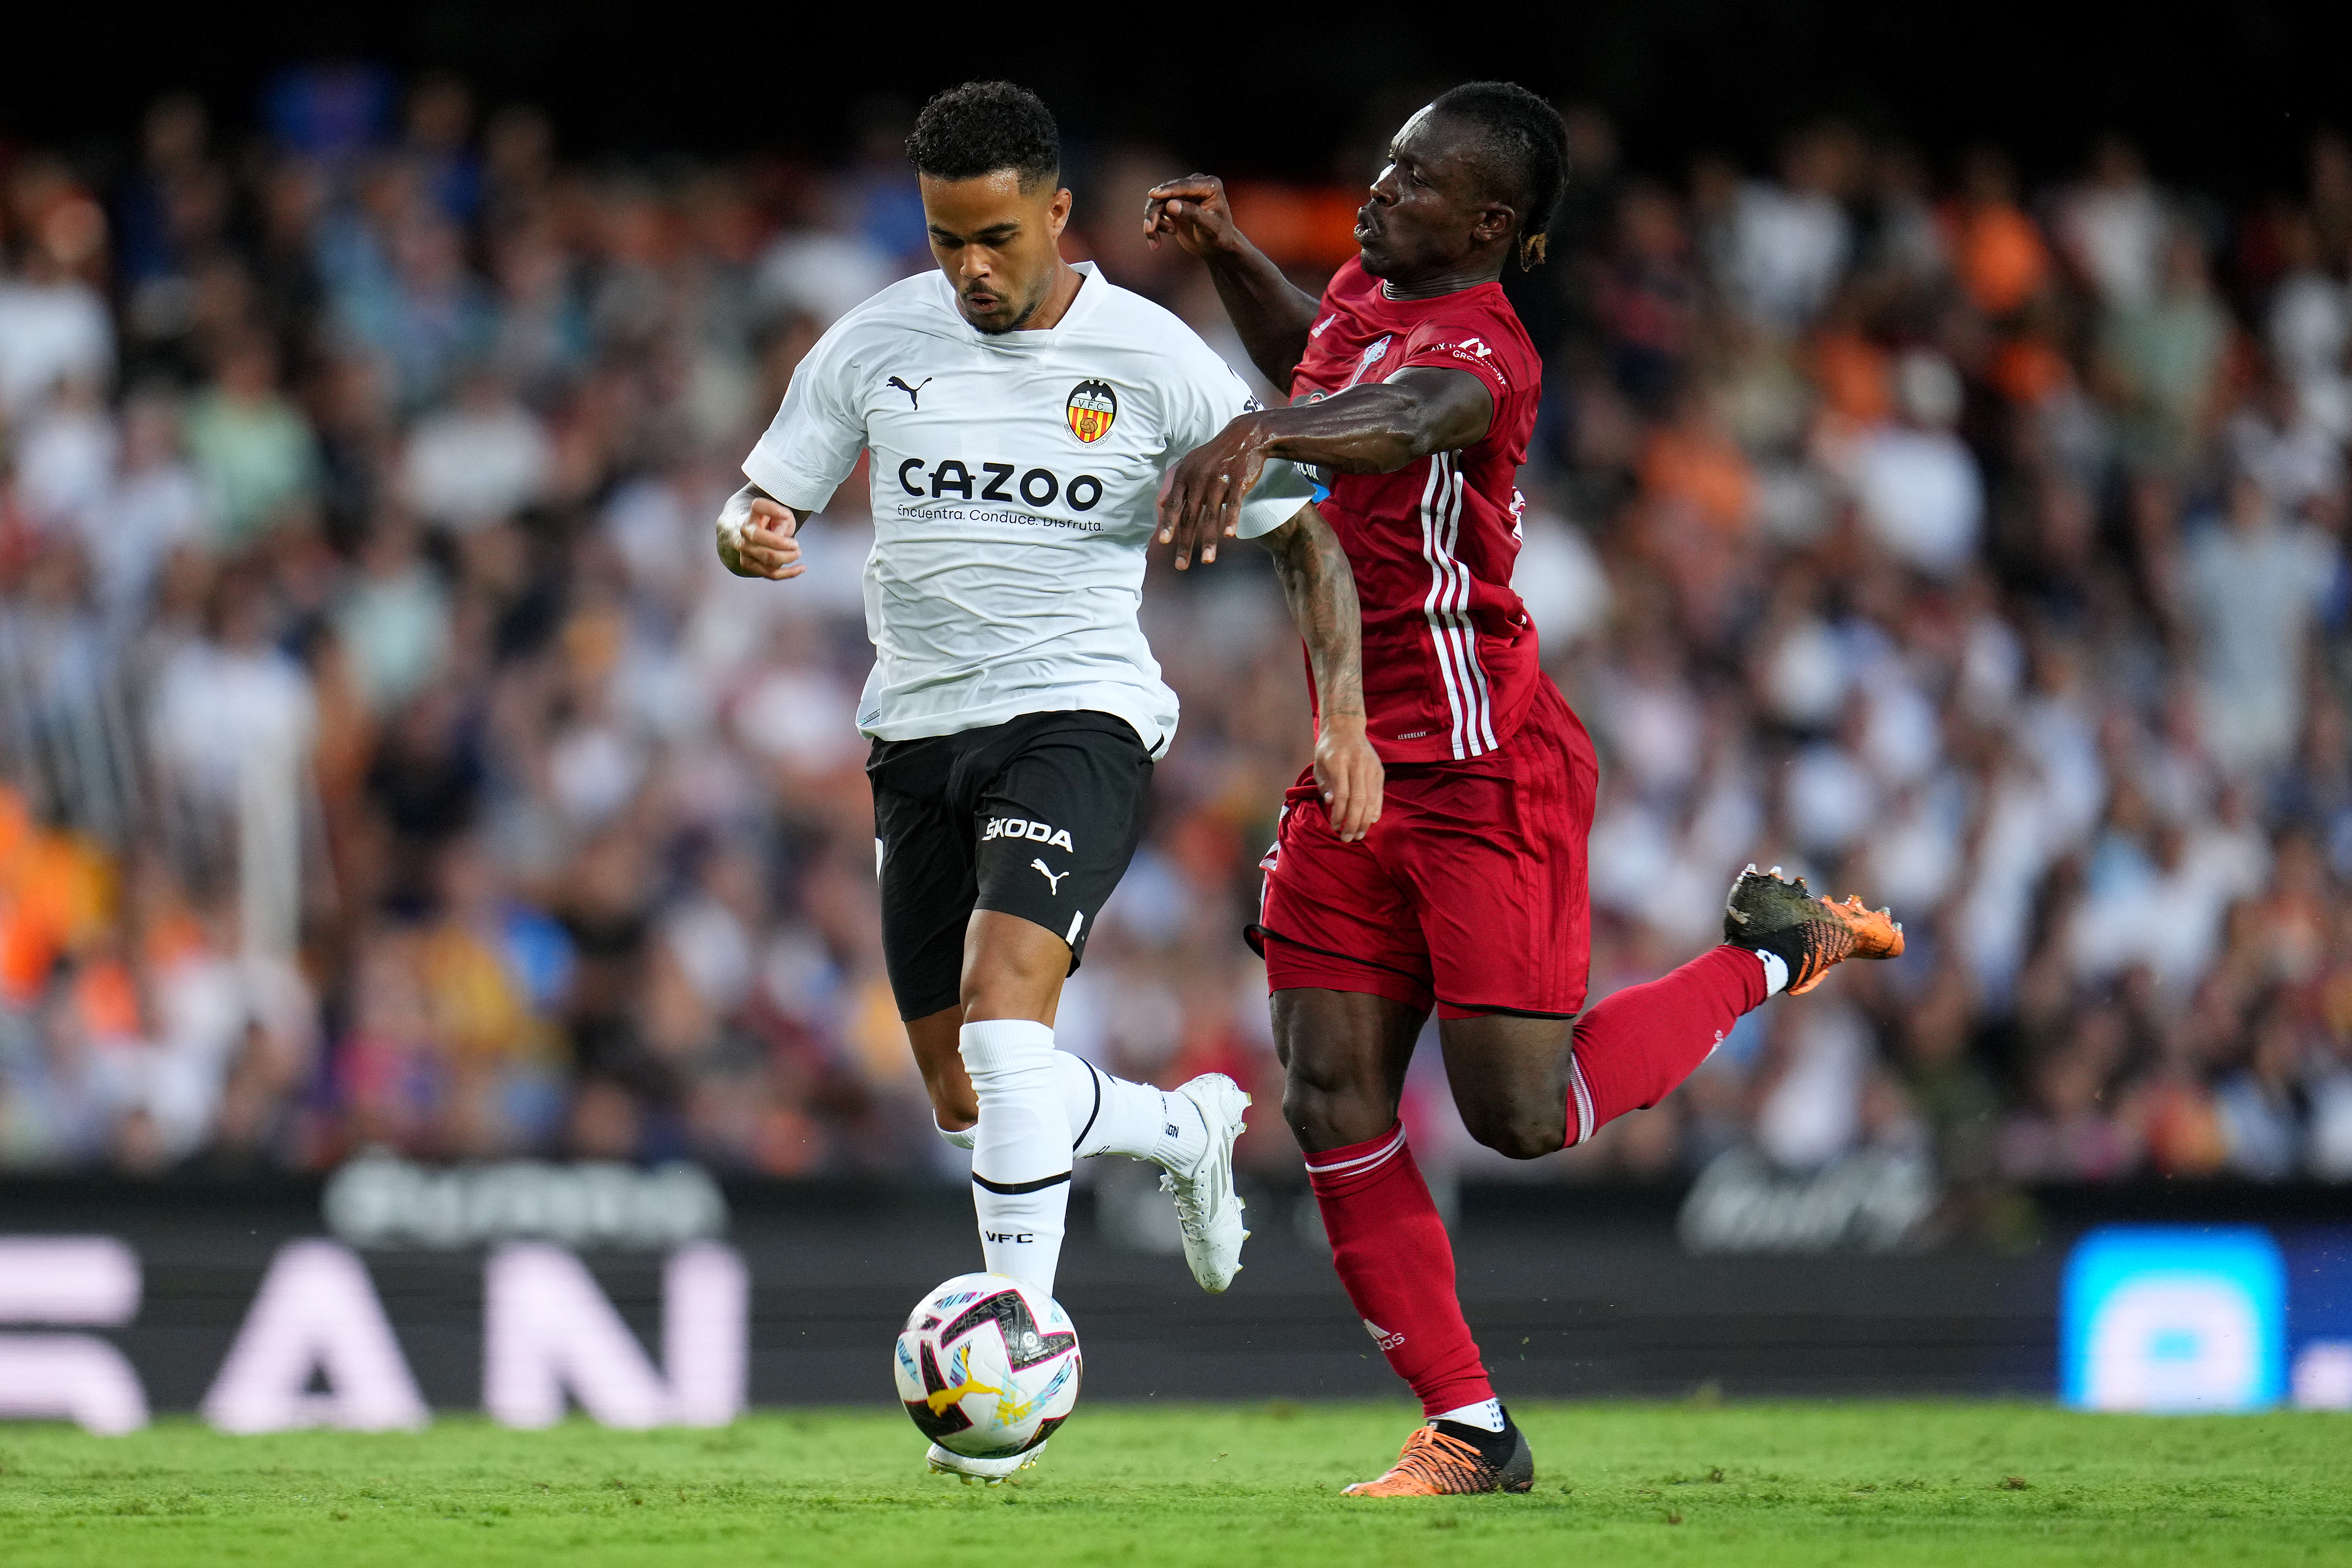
756,537
1193,213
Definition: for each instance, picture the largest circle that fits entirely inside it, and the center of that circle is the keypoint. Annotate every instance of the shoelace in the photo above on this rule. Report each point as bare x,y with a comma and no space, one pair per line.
1189,1217
1826,941
1443,1460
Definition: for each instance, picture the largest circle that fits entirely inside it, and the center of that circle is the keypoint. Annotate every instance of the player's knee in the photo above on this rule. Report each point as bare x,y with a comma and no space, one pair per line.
1517,1132
1013,979
1324,1112
1000,996
954,1106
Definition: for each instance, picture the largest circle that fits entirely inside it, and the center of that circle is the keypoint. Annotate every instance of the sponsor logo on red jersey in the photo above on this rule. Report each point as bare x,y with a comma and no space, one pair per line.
1474,351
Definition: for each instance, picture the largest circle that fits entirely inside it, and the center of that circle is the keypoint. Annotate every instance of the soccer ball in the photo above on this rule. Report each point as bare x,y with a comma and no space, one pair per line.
987,1366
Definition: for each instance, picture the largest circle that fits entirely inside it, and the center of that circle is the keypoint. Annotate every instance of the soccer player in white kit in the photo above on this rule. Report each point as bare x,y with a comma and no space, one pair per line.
1021,412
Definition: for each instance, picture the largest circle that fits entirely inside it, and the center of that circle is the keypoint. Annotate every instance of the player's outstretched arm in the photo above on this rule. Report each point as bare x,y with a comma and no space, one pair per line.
1270,312
1321,590
758,536
1372,429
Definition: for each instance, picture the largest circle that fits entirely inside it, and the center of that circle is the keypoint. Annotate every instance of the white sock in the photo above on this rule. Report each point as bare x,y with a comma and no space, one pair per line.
1486,1415
962,1139
1110,1115
1776,975
1021,1148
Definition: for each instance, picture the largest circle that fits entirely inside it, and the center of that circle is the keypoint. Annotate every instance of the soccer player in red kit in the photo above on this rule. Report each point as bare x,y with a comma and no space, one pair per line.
1413,392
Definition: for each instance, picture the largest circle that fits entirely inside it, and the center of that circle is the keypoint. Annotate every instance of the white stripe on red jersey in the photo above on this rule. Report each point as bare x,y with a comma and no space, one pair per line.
1450,658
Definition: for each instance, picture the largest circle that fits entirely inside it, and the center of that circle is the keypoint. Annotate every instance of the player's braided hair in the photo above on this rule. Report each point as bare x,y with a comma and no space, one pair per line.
1532,145
984,126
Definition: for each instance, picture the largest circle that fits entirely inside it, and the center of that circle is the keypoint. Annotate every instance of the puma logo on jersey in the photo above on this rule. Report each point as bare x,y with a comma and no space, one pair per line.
914,392
1044,833
1051,880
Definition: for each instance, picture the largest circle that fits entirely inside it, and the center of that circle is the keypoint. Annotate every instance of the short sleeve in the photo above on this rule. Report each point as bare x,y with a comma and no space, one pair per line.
1458,345
811,445
1281,489
1213,398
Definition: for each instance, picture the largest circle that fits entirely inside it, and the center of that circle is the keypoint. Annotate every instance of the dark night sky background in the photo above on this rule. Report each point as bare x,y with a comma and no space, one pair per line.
2224,97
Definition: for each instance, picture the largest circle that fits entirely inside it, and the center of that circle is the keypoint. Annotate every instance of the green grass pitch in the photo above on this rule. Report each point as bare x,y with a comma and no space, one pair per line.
1750,1484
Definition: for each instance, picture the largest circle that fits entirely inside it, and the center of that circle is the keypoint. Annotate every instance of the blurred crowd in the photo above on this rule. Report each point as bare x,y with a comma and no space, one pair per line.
386,760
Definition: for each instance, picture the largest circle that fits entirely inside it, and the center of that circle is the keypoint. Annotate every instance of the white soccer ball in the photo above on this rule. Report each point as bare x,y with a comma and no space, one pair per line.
987,1366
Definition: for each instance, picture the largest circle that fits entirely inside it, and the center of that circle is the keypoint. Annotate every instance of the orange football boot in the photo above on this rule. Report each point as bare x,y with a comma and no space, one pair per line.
1438,1463
1811,935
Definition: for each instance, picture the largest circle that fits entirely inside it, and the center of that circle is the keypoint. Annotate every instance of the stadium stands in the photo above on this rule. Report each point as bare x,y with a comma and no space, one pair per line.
386,762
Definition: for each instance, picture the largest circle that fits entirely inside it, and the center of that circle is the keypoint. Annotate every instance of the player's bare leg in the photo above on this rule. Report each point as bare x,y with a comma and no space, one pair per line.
1344,1055
1528,1086
1525,1087
1010,986
1187,1131
1013,973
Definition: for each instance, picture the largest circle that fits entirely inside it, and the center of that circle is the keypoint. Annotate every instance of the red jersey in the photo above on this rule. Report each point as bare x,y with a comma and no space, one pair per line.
1449,659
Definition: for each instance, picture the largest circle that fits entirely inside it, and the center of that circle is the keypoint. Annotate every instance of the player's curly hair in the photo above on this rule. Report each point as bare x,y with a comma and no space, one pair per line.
1532,145
984,126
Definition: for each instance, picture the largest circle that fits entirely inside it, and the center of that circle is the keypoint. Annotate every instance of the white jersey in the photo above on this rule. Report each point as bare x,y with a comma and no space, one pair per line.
1014,480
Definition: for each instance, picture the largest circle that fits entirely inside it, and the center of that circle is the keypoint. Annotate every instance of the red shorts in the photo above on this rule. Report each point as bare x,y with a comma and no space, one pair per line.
1469,892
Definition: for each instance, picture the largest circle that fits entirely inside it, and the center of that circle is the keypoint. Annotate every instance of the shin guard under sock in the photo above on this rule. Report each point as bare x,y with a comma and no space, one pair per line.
1110,1115
1397,1263
1021,1148
1634,1047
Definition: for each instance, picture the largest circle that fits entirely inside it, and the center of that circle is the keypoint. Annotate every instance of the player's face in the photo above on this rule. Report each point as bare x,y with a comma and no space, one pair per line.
1429,209
997,244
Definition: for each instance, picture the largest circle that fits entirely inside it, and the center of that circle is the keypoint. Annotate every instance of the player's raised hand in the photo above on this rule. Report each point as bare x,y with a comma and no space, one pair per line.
1192,212
757,537
1348,771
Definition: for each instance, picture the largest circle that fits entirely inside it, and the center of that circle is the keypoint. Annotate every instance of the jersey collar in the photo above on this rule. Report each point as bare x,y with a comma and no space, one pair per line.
1382,284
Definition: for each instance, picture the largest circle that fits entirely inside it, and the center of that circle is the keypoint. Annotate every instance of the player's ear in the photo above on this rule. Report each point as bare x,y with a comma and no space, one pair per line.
1058,211
1496,221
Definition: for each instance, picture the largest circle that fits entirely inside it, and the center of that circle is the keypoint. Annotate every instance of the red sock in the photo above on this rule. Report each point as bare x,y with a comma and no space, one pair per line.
1395,1259
1633,1048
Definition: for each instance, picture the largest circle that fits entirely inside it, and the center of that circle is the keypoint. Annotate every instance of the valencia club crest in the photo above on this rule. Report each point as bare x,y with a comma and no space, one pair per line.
1093,409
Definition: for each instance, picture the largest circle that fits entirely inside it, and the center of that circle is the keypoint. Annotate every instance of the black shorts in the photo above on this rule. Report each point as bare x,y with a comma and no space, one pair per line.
1037,816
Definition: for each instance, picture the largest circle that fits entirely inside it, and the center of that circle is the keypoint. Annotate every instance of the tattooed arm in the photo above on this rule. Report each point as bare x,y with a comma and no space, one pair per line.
1321,591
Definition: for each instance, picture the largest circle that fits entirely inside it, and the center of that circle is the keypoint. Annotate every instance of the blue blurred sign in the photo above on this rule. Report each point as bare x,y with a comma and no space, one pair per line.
2165,1318
2319,1318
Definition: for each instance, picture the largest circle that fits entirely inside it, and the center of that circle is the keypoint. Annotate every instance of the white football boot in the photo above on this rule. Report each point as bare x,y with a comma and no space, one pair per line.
990,1472
1207,1208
